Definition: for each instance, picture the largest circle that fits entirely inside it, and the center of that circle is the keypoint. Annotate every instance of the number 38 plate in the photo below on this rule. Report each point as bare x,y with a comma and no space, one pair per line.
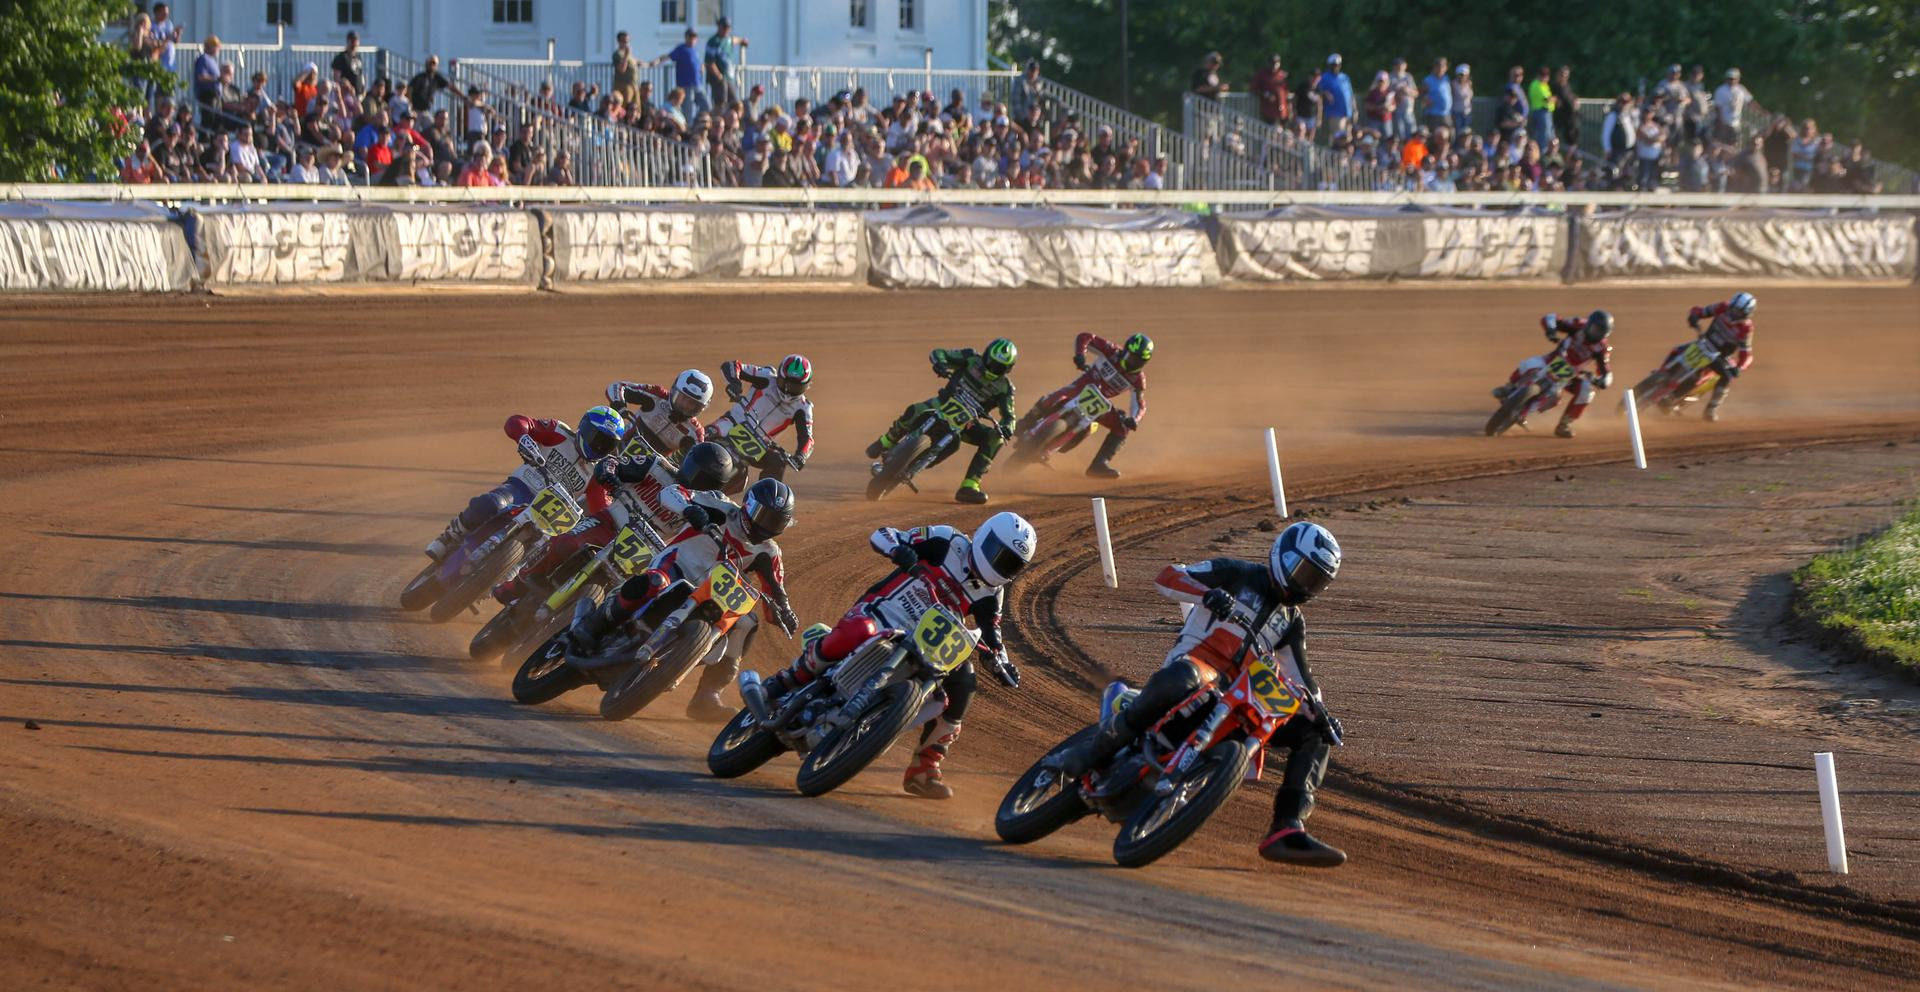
725,589
942,639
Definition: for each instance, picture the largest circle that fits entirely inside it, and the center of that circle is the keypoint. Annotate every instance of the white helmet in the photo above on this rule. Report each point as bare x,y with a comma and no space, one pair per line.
1304,559
1741,306
1002,547
692,391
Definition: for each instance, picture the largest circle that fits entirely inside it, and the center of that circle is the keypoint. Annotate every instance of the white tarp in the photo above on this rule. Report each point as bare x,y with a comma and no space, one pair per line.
318,244
631,244
1778,243
1314,243
952,247
88,247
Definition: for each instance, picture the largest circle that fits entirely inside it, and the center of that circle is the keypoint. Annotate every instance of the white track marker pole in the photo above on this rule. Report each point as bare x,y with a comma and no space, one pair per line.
1633,430
1830,811
1101,534
1273,475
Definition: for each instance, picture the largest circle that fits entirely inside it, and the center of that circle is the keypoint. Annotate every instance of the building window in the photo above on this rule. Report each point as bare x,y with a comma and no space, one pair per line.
513,11
909,15
857,13
280,12
347,11
673,12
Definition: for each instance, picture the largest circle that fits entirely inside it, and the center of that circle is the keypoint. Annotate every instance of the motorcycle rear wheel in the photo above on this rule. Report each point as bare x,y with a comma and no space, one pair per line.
740,747
1644,394
1025,816
546,675
561,619
1163,823
894,467
498,565
642,684
1036,447
853,747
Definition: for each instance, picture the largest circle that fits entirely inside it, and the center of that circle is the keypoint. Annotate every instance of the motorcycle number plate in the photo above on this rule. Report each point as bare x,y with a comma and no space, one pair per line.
1695,357
956,412
1269,691
942,639
725,589
1559,369
1092,403
636,446
630,553
745,443
554,512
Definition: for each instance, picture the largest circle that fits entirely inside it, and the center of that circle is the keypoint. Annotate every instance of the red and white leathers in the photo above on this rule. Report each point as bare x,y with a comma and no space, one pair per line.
653,414
952,582
656,499
1104,373
1573,347
691,553
1728,337
763,402
562,460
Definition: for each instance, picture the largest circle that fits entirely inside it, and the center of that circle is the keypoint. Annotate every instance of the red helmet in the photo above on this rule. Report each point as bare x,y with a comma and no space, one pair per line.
795,373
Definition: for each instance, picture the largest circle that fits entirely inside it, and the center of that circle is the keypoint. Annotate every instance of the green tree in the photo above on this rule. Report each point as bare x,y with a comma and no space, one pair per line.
1853,64
63,90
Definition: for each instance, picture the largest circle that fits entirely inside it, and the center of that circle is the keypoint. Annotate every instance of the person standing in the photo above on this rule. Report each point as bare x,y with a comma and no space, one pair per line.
1462,99
1438,94
626,70
346,65
1566,108
1618,132
1336,96
166,34
687,74
723,55
1206,79
1270,87
1729,106
425,85
1405,93
1540,104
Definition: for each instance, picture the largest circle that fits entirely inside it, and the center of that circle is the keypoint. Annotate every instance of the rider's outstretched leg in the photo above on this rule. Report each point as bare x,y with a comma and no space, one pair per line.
1287,839
986,441
1578,406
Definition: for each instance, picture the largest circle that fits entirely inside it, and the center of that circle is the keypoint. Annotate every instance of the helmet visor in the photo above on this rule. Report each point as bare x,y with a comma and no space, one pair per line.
764,520
793,387
1000,558
686,404
1305,579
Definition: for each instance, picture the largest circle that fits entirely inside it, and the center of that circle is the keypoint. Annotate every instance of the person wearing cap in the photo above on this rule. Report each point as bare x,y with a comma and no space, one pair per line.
346,64
1462,99
1206,79
687,74
1270,88
723,54
1671,93
1729,105
1336,96
1026,90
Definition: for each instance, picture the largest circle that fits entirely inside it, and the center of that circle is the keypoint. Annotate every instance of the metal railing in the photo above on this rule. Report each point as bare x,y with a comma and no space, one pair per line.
1240,151
281,62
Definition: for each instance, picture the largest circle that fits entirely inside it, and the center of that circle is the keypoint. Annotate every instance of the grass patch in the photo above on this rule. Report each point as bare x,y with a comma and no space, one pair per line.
1638,593
1867,597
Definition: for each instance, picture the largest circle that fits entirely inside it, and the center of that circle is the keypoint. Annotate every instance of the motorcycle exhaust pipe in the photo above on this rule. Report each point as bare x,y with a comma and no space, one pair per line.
754,693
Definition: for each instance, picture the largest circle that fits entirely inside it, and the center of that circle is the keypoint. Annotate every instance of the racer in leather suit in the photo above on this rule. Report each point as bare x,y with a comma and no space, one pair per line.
773,399
1730,334
667,416
982,379
1115,369
567,457
1577,341
968,575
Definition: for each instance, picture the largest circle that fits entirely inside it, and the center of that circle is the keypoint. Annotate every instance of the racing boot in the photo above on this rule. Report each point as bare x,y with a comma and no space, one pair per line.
1102,467
969,491
1712,412
923,777
598,622
449,539
1112,734
705,706
1290,844
1564,428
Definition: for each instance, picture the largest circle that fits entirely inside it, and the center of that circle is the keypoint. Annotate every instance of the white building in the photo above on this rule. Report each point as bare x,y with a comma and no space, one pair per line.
897,33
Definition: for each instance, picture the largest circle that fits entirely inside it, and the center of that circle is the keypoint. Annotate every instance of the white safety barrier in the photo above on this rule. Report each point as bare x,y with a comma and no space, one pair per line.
641,244
1787,244
1273,476
92,247
1633,431
1830,811
317,244
1105,540
1326,243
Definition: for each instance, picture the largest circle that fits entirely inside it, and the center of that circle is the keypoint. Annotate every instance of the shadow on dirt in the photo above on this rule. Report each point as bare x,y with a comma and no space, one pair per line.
300,657
150,457
327,612
325,547
370,701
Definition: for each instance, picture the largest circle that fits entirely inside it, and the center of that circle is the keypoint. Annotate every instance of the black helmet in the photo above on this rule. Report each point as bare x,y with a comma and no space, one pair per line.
767,511
706,466
1304,559
1599,325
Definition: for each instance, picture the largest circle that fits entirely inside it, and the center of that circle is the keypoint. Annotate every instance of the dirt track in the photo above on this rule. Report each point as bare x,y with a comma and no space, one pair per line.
212,505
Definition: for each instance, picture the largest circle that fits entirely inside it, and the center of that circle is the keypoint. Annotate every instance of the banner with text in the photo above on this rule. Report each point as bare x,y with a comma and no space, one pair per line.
347,243
636,244
1778,243
92,247
955,247
1324,243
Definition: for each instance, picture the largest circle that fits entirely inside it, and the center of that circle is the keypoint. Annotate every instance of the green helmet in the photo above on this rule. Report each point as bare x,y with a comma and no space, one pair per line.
1001,354
1136,352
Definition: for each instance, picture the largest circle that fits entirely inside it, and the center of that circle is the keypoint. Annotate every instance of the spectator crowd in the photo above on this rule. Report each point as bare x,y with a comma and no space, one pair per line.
1423,133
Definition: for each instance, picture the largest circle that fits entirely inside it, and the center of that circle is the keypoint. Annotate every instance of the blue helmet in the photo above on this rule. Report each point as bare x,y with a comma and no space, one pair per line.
600,432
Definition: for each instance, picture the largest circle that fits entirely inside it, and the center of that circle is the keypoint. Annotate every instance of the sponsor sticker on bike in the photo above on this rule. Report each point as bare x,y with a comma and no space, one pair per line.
746,443
636,446
942,639
1695,357
1559,369
554,512
630,554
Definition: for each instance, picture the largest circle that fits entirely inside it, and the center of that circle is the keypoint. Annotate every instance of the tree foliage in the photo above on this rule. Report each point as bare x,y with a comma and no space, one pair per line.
62,90
1853,64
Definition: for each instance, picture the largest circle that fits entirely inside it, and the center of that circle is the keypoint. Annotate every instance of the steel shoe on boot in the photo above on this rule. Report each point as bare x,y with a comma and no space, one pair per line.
969,492
437,548
1563,429
923,776
875,450
706,707
1712,412
1290,844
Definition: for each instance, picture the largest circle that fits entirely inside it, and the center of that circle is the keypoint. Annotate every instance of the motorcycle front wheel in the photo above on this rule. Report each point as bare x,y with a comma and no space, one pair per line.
545,675
849,750
741,747
1041,801
424,588
1511,410
1163,823
498,565
647,680
893,470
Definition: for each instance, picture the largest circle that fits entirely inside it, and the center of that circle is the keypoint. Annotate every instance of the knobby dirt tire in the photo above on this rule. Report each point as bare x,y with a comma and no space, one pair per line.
1017,826
1224,765
894,466
831,766
1510,410
641,685
737,751
545,675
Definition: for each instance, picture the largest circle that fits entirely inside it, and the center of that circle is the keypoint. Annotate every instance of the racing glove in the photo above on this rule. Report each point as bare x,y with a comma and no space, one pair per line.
1004,669
904,556
786,618
1080,360
1329,727
1127,421
1006,430
617,395
1218,602
631,471
1605,381
1549,324
735,390
606,473
698,517
1693,321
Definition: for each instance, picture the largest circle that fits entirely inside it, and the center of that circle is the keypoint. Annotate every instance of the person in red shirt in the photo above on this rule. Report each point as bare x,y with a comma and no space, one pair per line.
1115,369
1270,87
140,167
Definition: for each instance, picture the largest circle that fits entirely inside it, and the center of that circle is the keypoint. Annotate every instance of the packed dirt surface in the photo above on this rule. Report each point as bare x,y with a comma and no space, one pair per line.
251,771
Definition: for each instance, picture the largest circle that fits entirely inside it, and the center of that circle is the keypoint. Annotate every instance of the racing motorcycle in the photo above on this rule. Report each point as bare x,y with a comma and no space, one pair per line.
534,618
488,552
1525,394
931,440
749,445
1076,418
652,652
1164,784
1688,373
849,716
